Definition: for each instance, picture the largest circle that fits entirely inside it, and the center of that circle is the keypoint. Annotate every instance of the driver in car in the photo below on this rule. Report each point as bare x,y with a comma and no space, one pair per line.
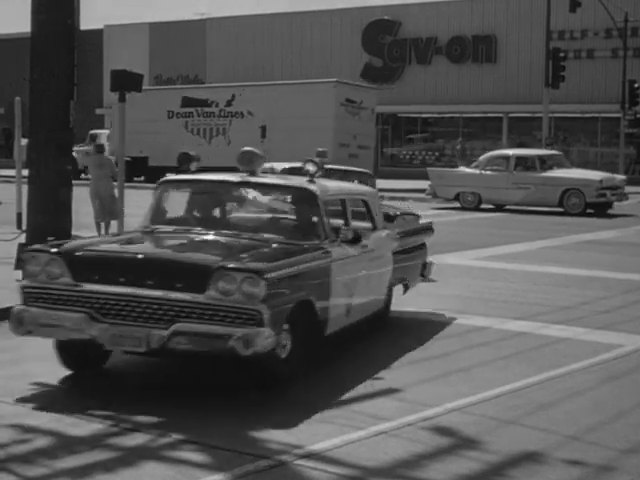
307,212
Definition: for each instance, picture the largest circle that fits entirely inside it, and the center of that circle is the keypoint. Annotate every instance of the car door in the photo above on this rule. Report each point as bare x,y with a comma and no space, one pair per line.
527,181
376,256
346,268
492,183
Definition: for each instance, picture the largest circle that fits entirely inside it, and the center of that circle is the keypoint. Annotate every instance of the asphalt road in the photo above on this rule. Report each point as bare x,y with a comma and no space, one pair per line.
521,360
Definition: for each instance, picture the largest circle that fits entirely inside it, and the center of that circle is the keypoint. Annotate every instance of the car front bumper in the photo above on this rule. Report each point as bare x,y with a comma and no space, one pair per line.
180,337
606,196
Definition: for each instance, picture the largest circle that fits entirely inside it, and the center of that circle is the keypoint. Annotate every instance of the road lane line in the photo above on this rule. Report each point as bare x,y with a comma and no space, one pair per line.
537,244
524,326
522,267
358,436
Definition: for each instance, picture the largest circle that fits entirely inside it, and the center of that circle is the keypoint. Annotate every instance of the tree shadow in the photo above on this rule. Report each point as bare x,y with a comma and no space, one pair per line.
214,410
218,403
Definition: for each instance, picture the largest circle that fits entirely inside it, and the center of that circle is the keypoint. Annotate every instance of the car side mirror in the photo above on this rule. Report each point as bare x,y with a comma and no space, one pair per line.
350,236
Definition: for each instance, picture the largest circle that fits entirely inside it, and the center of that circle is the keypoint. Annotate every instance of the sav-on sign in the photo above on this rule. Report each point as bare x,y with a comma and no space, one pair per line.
380,40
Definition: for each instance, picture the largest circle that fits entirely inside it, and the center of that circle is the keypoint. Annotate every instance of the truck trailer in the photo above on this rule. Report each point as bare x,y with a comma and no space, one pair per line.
287,120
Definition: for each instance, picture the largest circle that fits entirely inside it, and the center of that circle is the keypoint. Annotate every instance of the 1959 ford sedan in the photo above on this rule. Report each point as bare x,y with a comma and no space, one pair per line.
255,265
528,177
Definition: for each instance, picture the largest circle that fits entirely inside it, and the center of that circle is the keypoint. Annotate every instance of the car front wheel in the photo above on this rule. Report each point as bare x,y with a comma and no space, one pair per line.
574,202
81,356
292,353
470,200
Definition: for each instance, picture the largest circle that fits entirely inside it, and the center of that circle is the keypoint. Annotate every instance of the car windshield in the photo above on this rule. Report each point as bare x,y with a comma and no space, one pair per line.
553,162
243,209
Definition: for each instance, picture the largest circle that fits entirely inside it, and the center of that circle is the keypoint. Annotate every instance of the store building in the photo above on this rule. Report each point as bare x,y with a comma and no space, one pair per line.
14,82
457,77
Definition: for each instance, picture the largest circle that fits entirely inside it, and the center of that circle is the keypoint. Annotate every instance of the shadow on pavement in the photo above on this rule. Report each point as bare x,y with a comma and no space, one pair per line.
216,403
213,411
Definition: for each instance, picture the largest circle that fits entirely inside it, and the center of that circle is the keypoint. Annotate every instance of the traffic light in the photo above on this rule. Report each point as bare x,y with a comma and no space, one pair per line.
633,94
574,5
558,58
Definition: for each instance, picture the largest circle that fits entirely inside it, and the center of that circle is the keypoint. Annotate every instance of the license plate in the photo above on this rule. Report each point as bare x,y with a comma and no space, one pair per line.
72,322
130,341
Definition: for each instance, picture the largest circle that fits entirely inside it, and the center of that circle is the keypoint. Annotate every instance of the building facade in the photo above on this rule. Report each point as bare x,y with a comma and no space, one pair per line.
14,82
456,77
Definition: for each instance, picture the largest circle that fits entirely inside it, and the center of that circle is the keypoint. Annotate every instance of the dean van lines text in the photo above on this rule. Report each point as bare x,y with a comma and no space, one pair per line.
197,113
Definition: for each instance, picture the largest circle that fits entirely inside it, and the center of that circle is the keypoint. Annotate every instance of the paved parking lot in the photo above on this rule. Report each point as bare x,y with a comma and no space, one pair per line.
521,360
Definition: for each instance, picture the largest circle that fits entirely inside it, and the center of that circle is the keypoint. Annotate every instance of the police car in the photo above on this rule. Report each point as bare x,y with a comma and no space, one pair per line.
262,266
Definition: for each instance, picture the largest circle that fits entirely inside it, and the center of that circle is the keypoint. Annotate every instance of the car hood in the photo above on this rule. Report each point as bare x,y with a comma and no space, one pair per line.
585,174
196,248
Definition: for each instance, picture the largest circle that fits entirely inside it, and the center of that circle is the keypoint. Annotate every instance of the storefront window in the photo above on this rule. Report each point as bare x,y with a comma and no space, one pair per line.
524,131
480,134
416,141
430,141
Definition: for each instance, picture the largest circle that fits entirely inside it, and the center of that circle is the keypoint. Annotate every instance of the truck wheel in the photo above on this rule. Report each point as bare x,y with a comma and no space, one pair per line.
128,173
81,356
574,202
470,200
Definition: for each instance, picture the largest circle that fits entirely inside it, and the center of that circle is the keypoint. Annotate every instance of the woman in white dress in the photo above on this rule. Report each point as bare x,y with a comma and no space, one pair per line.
101,190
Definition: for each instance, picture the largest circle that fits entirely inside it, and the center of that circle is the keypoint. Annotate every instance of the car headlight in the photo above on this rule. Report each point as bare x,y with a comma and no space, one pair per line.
43,267
232,285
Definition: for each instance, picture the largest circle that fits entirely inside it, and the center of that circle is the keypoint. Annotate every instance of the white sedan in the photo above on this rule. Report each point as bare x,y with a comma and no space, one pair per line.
528,177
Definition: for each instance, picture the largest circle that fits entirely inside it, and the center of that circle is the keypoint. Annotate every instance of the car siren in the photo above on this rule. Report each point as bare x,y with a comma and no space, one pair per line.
314,166
250,160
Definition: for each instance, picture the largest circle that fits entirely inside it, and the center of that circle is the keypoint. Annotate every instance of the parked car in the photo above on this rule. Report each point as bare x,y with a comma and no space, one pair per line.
262,266
528,177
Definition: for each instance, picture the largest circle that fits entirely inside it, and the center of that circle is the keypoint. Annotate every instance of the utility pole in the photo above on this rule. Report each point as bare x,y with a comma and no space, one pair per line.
54,26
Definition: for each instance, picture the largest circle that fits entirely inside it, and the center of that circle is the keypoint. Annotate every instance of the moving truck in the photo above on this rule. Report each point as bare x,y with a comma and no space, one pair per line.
287,120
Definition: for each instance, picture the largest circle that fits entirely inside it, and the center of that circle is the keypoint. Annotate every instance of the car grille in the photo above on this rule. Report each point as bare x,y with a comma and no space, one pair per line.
148,273
138,310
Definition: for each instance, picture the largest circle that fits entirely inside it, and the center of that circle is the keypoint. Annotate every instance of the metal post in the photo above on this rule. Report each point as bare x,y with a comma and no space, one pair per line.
17,156
545,92
120,152
505,130
623,94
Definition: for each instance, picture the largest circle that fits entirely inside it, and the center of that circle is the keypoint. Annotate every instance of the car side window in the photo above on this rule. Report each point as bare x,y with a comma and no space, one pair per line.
336,214
496,164
525,164
361,216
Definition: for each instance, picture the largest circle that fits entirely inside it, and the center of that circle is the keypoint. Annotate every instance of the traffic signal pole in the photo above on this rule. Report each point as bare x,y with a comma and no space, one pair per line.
545,91
623,94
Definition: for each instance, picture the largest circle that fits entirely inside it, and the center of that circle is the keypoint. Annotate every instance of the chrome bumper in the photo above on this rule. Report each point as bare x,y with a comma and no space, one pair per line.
181,337
609,197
